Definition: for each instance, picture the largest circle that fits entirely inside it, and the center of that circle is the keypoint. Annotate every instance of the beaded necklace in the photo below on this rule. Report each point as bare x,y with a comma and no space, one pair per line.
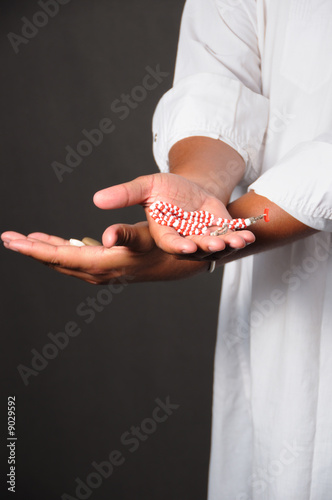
198,222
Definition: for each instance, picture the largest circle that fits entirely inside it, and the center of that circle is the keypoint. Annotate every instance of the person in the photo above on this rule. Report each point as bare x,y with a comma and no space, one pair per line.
246,126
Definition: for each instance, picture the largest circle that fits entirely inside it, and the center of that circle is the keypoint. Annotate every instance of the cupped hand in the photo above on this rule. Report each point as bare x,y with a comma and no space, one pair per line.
172,188
134,256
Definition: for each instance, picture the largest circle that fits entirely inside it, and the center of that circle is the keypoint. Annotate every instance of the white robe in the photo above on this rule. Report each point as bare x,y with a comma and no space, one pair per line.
258,76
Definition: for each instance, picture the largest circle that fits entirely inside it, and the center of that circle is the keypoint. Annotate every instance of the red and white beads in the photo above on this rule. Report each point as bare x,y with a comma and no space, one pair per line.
198,222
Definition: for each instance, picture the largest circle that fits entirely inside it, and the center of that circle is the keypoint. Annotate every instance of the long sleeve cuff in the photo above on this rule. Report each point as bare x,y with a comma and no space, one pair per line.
213,106
301,184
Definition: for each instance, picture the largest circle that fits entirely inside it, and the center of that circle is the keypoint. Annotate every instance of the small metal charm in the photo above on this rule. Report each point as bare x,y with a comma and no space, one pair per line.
220,231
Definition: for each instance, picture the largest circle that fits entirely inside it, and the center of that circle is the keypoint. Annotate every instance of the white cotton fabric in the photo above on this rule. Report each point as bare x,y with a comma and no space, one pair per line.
258,75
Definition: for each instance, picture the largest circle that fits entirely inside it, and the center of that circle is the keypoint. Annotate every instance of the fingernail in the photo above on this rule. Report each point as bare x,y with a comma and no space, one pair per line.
5,240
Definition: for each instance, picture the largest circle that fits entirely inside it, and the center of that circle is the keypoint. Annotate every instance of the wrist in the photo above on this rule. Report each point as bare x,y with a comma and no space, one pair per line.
212,164
214,183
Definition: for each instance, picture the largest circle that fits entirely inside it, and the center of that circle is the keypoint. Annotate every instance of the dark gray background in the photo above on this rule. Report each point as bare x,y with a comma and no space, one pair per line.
152,340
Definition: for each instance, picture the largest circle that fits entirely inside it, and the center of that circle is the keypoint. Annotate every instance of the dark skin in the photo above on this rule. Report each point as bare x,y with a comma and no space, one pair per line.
203,175
188,156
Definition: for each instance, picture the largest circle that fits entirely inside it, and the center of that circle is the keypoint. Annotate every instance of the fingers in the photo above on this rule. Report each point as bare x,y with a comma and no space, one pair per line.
77,274
93,264
124,195
239,239
47,238
8,236
136,237
170,241
56,240
79,258
235,240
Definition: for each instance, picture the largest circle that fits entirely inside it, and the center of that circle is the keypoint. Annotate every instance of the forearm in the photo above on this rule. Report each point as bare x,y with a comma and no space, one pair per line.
280,230
218,168
210,163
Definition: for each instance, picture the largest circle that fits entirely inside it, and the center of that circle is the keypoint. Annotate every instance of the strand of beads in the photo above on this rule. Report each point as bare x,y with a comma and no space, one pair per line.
197,222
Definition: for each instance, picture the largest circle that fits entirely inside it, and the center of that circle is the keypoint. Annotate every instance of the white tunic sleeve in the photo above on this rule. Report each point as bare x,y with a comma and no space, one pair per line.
301,183
217,84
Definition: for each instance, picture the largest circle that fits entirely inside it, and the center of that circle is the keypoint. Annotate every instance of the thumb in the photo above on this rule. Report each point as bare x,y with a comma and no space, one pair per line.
130,193
136,237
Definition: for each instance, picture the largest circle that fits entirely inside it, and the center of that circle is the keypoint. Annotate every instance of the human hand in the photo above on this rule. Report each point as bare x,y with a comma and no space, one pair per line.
135,257
182,192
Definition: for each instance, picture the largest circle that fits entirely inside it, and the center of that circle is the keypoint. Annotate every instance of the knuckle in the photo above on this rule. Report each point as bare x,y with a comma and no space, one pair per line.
53,262
126,236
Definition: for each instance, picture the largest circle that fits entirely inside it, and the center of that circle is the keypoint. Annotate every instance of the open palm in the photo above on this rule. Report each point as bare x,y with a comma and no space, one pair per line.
182,192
